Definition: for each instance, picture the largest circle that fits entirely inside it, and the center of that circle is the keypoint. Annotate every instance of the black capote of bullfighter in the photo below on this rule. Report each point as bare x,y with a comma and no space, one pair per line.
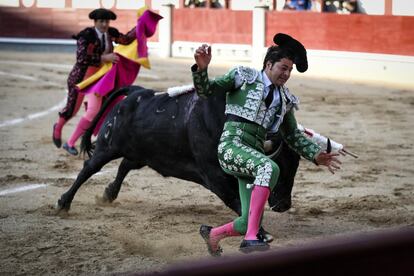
176,136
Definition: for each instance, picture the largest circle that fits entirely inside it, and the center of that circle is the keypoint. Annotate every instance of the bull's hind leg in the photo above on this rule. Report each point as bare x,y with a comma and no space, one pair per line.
90,167
111,192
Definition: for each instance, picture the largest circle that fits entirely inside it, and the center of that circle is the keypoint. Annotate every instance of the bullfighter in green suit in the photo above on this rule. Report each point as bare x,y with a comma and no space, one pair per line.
257,102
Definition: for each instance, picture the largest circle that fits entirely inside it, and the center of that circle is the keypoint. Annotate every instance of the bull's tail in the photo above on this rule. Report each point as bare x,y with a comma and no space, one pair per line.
86,143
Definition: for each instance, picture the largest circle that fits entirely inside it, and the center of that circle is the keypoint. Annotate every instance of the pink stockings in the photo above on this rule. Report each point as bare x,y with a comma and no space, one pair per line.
222,232
80,129
257,203
258,200
94,104
57,131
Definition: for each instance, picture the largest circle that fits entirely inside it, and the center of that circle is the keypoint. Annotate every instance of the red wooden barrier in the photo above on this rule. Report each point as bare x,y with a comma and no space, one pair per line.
355,33
322,31
56,23
212,25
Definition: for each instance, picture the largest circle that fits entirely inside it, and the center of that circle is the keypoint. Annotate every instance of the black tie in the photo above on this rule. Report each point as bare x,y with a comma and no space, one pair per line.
103,42
269,97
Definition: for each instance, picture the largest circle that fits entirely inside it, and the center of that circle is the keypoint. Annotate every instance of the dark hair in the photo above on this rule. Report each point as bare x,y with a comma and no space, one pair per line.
275,54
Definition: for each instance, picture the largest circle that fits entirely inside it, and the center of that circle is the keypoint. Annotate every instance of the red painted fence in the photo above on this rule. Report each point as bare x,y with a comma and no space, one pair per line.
355,32
322,31
56,23
212,26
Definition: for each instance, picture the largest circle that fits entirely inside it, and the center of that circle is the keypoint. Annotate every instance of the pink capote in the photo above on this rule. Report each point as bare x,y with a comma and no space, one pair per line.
124,72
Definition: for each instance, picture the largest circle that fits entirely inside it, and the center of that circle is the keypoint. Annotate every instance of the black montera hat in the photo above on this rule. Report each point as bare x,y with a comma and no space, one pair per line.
288,42
102,14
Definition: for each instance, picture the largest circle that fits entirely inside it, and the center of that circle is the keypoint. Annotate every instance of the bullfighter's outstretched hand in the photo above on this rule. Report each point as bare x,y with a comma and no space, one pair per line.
329,160
202,56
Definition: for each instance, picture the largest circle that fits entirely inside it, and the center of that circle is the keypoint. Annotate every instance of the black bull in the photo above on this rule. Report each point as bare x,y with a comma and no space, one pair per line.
176,136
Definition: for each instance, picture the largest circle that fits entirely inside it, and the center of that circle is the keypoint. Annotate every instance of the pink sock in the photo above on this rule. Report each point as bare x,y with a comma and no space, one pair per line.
222,232
78,104
57,133
257,202
80,129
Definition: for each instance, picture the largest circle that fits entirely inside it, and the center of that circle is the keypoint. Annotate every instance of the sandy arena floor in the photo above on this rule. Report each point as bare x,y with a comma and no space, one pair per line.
155,220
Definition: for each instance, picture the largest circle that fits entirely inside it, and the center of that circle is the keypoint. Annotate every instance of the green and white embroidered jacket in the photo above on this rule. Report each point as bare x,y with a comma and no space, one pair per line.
245,98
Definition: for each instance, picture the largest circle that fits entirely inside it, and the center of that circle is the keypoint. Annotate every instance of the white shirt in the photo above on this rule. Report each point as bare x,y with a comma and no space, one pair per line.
99,33
276,95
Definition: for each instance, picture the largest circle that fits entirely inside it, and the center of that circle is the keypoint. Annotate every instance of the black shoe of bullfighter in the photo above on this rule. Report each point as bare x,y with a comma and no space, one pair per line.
71,150
205,234
248,246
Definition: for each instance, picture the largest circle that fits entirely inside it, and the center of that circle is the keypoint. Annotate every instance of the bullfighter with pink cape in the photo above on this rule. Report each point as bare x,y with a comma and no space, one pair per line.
112,76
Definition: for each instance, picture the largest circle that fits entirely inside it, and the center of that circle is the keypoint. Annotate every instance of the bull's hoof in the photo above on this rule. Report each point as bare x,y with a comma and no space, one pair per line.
282,205
265,236
103,200
61,207
106,198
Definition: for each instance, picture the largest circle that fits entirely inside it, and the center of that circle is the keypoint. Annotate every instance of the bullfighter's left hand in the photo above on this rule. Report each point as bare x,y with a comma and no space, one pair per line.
330,160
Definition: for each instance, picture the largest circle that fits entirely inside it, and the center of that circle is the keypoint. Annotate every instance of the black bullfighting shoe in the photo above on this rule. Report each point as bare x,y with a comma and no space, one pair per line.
56,141
248,246
205,234
71,150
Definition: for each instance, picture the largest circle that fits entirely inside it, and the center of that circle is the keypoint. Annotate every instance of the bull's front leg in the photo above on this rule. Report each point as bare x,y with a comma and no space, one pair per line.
90,167
65,200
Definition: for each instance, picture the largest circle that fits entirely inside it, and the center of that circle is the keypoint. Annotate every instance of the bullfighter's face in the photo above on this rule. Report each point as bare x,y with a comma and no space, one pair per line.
102,25
279,72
